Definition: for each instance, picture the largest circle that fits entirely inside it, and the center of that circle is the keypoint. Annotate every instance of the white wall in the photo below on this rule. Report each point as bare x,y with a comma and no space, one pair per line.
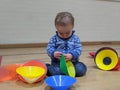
32,21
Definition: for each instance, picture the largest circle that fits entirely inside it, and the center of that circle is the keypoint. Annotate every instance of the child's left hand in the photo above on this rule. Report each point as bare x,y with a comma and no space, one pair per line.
68,56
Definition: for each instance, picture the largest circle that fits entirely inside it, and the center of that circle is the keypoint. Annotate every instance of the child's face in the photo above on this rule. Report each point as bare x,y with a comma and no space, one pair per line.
64,31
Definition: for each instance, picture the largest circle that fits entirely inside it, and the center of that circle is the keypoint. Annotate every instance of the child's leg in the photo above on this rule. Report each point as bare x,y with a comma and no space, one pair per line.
80,68
53,70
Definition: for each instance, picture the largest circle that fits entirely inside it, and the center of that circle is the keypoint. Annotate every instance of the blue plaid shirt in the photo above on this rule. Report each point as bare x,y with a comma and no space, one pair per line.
70,45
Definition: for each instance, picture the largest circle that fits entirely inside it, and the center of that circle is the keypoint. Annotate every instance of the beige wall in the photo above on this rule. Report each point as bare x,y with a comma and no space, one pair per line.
32,21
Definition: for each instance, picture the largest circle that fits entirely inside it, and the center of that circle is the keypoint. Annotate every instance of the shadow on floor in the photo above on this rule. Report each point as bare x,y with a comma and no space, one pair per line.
49,88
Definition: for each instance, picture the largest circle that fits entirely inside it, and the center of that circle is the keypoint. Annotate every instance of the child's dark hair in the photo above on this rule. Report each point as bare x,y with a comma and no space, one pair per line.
64,18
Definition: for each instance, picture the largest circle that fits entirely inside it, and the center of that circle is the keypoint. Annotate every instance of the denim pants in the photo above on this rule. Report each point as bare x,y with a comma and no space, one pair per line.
54,69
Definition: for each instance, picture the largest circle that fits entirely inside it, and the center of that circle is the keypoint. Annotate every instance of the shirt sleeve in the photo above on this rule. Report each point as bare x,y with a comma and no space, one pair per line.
77,49
51,47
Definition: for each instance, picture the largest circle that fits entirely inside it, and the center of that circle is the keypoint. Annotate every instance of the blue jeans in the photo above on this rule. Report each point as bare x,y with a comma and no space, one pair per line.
54,69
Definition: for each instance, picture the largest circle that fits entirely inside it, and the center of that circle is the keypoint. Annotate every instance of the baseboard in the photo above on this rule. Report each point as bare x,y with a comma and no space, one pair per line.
26,45
101,43
36,45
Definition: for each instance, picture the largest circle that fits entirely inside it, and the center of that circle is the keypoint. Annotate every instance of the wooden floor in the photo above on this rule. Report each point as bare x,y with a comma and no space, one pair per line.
94,79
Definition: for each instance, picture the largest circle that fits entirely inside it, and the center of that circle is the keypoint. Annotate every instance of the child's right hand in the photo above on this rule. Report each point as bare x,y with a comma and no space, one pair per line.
57,54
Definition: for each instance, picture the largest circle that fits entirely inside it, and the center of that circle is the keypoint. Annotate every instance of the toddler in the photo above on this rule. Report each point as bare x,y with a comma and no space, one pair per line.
67,43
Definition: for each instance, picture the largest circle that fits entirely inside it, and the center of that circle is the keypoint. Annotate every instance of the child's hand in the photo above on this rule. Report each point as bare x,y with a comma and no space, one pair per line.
68,56
57,54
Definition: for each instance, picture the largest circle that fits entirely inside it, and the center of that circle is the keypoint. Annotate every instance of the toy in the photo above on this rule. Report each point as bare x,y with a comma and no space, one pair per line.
60,82
106,58
63,66
37,63
92,54
71,69
67,67
8,72
117,67
30,73
0,60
